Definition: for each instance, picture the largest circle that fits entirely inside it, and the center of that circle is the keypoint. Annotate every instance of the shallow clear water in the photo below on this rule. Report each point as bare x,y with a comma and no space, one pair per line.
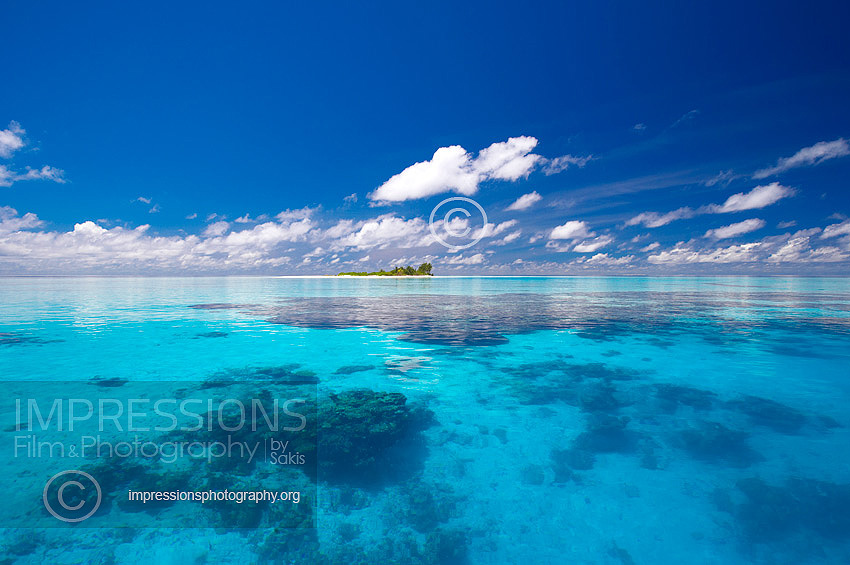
558,420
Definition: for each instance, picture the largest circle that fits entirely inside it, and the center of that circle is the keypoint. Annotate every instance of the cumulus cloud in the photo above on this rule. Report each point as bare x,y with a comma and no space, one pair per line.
380,233
798,249
835,230
683,254
10,221
476,259
489,229
216,229
247,219
454,169
525,202
89,246
511,237
786,248
605,259
758,197
592,245
508,160
807,156
573,229
652,246
734,230
11,139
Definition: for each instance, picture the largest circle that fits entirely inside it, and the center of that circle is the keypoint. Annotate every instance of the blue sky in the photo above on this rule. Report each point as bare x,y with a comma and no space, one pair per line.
262,138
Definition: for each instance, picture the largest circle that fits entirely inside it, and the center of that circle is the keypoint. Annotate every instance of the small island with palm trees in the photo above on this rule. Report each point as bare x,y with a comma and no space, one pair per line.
424,270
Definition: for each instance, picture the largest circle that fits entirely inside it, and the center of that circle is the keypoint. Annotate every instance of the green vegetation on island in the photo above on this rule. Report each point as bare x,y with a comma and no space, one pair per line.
423,270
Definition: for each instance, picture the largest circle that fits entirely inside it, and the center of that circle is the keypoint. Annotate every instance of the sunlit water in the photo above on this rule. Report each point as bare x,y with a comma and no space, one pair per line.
572,420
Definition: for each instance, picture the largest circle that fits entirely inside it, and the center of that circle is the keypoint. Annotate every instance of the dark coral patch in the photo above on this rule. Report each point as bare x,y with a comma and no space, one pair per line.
368,437
351,369
803,506
211,334
715,443
771,414
672,396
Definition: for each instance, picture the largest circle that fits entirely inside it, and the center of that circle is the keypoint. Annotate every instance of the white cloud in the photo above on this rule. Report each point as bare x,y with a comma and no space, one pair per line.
787,224
652,246
785,248
573,229
562,163
834,230
488,230
682,255
798,250
734,230
513,236
476,259
656,220
759,197
8,176
247,219
11,222
454,169
592,245
143,200
11,139
192,216
639,127
216,229
605,259
351,198
508,160
525,201
816,154
380,232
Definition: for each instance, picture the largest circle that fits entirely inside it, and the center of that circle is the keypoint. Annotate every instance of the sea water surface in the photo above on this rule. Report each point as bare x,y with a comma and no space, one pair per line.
478,420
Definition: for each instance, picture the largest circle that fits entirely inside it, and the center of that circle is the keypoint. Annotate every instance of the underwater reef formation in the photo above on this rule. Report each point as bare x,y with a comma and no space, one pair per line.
802,506
359,429
351,369
280,374
771,414
672,396
713,442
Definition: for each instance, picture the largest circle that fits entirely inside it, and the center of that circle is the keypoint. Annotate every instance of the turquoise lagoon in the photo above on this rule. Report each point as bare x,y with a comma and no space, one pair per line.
543,420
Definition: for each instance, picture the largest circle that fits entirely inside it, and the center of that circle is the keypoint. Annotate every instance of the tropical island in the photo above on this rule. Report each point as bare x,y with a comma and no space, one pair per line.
424,270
